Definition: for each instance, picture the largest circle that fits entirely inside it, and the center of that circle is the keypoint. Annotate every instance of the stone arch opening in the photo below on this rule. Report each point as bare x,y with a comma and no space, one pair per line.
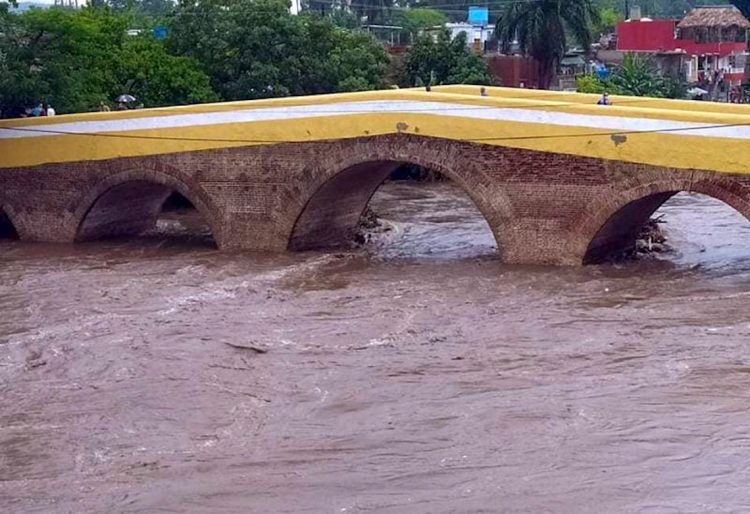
618,233
330,217
138,206
7,228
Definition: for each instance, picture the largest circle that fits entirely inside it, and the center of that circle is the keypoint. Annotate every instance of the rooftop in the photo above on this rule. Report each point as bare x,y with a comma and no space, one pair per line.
714,16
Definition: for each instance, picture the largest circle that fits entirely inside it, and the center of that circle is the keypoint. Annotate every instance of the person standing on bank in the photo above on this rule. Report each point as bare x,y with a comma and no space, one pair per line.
604,100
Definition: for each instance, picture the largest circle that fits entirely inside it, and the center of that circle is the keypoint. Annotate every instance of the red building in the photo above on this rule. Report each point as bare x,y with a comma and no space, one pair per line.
646,35
707,41
514,70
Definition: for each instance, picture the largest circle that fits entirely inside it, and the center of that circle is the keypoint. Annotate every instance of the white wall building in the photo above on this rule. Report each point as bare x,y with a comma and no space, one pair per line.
475,34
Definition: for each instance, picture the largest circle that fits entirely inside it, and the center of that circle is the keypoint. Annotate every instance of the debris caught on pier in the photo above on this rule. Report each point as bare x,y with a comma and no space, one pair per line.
651,238
650,241
369,220
371,228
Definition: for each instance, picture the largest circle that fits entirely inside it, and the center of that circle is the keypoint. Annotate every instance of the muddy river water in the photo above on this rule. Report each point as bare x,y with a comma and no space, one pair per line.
420,375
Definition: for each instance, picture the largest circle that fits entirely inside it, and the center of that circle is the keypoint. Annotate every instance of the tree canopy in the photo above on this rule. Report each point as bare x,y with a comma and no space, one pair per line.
257,49
216,49
74,59
416,20
608,20
156,78
443,60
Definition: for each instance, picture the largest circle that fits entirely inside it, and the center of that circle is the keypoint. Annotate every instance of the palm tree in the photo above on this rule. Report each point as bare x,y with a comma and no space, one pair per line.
540,28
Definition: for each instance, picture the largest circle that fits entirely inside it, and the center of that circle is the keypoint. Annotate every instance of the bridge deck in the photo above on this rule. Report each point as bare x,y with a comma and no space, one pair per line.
678,134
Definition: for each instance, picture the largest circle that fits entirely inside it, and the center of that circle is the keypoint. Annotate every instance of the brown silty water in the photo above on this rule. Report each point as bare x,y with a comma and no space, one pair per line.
418,374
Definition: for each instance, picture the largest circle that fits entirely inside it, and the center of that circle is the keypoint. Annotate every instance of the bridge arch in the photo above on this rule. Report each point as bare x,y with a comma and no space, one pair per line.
9,228
330,208
130,202
612,225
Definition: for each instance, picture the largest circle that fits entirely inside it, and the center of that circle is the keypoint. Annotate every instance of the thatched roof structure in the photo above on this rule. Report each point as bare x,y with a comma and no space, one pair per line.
714,16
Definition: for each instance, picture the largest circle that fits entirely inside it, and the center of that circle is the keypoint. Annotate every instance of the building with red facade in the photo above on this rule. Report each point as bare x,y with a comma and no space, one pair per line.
707,42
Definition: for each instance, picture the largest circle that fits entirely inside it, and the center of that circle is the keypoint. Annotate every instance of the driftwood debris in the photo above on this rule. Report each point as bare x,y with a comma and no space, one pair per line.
651,238
247,346
370,227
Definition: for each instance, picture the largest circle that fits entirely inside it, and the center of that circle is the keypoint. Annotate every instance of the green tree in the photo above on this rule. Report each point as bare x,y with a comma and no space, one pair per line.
443,60
608,20
8,40
256,49
60,56
74,59
359,61
416,20
145,70
541,27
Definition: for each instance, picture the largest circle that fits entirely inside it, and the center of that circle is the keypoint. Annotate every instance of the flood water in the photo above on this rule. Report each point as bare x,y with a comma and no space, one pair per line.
420,375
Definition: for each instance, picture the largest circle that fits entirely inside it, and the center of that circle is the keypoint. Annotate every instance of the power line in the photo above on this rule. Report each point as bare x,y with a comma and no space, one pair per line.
616,133
289,141
547,97
447,8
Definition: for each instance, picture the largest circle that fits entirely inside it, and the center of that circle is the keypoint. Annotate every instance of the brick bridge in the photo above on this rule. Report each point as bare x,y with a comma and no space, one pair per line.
559,179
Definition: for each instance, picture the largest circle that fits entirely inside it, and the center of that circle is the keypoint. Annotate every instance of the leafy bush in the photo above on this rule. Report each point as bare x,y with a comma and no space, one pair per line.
443,61
590,84
636,77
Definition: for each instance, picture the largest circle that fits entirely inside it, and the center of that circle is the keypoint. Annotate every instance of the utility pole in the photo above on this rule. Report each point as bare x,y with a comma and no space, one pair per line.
627,9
